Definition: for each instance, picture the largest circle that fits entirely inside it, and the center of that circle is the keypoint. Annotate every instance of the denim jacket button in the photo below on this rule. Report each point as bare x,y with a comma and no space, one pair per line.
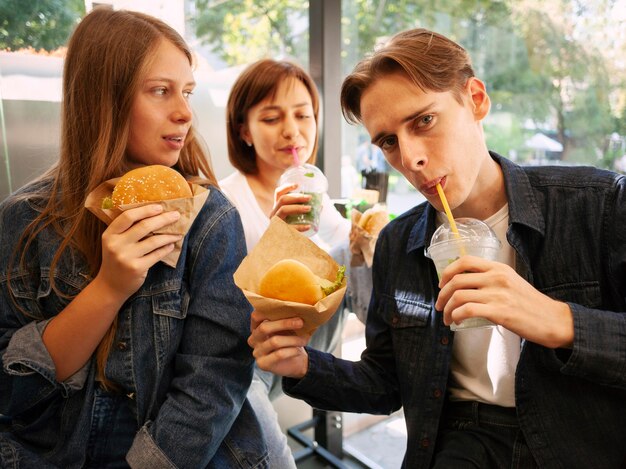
445,340
425,443
121,345
395,320
437,393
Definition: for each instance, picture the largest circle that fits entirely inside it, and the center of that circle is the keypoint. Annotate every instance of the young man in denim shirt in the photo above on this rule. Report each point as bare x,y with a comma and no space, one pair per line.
547,386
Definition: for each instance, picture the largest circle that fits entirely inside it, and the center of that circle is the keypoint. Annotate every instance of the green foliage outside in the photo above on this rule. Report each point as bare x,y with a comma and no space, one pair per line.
239,31
555,66
38,24
549,65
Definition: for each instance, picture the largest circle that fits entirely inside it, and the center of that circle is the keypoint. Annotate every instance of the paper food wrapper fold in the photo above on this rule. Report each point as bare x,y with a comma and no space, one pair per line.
282,241
188,207
362,243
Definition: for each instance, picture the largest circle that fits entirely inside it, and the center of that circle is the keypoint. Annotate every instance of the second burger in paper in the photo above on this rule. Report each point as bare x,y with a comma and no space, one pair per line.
295,260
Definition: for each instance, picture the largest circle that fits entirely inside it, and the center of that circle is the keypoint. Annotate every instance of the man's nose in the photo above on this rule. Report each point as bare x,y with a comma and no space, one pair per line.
412,154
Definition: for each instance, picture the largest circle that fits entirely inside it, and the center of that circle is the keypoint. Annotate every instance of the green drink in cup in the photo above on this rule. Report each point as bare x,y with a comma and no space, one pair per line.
311,181
472,237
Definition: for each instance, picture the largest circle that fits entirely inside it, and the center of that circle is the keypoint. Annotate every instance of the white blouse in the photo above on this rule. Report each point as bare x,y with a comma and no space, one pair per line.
333,228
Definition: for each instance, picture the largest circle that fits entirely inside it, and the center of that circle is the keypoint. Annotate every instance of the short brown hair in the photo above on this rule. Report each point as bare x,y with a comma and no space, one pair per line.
432,61
256,83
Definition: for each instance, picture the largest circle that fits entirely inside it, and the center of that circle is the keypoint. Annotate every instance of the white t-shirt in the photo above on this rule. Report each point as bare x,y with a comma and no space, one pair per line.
333,228
484,360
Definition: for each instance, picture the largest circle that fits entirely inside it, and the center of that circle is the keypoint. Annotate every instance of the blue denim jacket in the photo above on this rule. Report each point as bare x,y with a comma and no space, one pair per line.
568,228
180,353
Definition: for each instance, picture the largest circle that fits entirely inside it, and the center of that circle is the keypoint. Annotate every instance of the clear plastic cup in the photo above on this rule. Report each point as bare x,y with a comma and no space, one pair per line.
475,239
310,181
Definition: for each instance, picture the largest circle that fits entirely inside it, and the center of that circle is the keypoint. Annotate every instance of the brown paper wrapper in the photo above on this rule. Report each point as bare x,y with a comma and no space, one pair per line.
282,241
362,243
188,207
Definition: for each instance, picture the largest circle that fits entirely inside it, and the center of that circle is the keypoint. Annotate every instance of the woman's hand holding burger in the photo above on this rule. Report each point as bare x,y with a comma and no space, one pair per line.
129,248
276,348
129,244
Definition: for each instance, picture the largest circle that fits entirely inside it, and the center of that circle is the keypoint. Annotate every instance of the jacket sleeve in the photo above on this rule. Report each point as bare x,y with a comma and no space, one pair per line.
213,366
27,372
599,350
369,385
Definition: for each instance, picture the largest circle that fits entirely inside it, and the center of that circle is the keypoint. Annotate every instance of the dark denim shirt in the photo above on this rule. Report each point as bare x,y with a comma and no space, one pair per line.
180,353
567,226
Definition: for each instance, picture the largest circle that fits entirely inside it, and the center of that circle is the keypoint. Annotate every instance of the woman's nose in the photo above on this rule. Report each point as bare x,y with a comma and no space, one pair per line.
290,128
182,110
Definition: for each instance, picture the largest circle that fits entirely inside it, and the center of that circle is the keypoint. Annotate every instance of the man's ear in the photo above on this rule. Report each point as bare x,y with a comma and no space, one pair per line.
479,98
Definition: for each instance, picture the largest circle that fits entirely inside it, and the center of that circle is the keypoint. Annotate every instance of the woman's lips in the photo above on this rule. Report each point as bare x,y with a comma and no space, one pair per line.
175,142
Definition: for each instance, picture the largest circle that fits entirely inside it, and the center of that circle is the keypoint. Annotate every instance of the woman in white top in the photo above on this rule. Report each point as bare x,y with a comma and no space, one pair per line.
273,109
333,228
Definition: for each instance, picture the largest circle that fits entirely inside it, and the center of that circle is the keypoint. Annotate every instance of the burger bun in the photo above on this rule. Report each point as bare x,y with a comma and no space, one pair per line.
151,183
374,220
291,280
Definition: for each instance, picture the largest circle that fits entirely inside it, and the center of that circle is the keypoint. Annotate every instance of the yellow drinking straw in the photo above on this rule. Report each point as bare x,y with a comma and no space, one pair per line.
446,208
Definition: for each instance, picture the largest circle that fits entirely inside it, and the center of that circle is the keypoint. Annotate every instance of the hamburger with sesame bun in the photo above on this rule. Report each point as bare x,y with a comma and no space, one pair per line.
151,183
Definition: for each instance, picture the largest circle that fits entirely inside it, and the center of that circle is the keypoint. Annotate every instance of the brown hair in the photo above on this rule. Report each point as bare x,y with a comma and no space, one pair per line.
107,56
432,61
256,83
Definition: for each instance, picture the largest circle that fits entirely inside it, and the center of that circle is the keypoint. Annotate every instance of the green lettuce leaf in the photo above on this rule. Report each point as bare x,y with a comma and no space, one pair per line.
329,287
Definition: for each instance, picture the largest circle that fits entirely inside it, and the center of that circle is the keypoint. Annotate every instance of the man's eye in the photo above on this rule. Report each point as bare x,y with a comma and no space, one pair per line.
304,116
160,91
387,143
270,120
186,94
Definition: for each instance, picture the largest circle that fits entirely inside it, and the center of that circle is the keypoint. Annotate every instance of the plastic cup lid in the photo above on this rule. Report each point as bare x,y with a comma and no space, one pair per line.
470,230
307,176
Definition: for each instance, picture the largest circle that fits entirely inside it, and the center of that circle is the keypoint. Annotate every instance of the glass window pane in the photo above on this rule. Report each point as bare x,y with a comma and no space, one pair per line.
555,72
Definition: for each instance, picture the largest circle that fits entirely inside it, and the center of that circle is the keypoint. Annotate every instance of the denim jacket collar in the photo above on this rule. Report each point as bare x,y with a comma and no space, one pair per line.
523,208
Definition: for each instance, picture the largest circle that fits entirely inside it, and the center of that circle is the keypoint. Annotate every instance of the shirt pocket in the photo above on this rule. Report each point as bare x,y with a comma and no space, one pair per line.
168,300
402,312
582,293
169,307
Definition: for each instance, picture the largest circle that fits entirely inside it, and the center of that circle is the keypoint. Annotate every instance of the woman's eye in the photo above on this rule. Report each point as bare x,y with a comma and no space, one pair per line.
304,116
160,91
186,94
425,121
270,120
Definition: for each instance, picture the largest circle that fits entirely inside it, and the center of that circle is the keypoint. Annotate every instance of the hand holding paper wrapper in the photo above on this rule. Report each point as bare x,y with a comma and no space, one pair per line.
188,207
281,241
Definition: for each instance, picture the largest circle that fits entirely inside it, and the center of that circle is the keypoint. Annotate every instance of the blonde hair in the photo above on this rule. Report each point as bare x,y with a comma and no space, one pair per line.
257,82
106,58
432,61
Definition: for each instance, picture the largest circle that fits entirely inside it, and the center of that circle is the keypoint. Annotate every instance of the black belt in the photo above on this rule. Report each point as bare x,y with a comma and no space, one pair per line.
480,412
